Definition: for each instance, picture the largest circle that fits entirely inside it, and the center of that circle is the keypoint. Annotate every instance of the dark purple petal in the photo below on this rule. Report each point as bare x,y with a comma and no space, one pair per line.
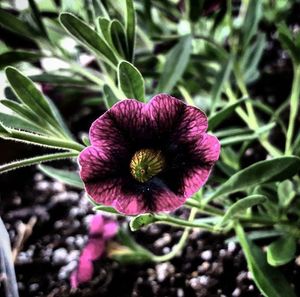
197,176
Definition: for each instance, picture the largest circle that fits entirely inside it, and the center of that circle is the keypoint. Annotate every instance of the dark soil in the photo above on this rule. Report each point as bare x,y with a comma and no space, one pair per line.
207,266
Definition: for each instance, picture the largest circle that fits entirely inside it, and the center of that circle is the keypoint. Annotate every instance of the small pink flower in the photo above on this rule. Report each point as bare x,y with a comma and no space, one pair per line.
100,231
148,157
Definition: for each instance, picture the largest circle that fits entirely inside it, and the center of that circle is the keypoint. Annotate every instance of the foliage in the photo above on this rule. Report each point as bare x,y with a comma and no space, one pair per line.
208,59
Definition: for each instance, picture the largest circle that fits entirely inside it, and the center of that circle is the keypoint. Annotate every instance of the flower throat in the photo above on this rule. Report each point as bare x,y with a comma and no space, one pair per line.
146,163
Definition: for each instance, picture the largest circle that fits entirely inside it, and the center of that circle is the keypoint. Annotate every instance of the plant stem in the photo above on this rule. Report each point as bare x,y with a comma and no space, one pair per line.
294,105
36,160
179,246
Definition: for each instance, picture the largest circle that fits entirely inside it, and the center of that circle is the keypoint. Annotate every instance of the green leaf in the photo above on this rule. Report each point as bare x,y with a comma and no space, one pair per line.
22,111
286,39
105,209
12,23
217,118
131,81
250,24
175,65
109,97
268,279
28,93
246,137
70,178
221,79
286,193
104,24
241,205
35,160
195,9
13,121
141,220
277,169
3,130
130,28
38,18
282,250
88,37
14,57
118,38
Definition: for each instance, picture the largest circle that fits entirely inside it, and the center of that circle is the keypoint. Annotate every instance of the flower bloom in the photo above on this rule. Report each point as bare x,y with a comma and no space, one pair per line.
100,231
148,157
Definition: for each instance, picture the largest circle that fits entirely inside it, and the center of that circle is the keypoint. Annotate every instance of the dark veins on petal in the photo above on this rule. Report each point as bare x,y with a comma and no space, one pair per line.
183,155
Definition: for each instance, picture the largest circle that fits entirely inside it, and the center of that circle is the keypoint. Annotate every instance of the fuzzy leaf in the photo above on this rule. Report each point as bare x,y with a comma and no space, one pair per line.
130,28
277,169
268,279
70,178
282,250
241,205
14,57
141,220
88,37
286,193
175,65
131,81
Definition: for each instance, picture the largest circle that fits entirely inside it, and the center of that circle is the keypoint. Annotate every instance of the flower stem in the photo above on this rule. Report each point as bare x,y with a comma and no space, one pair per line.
294,105
179,246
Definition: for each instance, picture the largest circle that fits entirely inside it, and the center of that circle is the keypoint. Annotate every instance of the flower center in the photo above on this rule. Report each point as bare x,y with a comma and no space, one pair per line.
146,163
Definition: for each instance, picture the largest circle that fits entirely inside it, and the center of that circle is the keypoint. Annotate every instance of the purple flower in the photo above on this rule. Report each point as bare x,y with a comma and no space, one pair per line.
148,157
101,230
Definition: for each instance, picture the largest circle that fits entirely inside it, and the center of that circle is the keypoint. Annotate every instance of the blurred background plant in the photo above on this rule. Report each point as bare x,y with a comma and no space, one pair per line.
83,56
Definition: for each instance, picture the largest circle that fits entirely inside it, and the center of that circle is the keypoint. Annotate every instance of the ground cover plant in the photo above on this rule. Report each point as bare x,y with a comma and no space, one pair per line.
162,113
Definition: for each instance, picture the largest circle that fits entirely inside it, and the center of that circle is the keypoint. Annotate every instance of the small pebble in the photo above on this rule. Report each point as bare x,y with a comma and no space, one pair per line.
206,255
236,292
60,256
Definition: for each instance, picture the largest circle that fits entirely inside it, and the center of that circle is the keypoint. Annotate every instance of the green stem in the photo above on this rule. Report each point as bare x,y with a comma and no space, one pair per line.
294,105
36,160
179,246
173,221
41,140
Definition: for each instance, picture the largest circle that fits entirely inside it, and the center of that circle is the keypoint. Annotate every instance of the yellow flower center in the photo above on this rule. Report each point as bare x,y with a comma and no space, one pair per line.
146,163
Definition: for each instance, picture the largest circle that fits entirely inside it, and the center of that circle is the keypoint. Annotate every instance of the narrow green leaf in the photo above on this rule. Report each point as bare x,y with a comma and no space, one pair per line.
286,39
13,121
250,24
103,24
3,130
195,9
109,97
88,37
221,79
241,205
58,79
30,95
36,160
282,250
247,137
38,18
130,28
12,23
23,111
268,279
131,81
141,220
118,38
286,193
277,169
217,118
14,57
175,65
105,209
70,178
